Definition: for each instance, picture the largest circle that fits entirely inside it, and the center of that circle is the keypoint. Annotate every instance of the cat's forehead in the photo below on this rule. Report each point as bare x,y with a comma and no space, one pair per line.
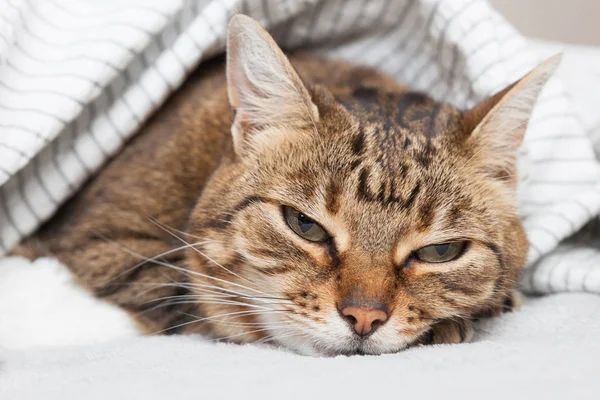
397,118
397,131
381,142
403,148
376,199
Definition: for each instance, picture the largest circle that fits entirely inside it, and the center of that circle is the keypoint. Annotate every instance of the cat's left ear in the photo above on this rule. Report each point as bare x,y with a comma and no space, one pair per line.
498,124
263,87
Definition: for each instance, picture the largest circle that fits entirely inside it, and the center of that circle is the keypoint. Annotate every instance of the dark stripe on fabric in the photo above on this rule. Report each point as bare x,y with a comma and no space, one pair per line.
69,75
362,52
426,28
441,39
9,216
80,29
313,22
32,110
84,42
58,166
26,200
401,43
92,118
74,58
96,14
74,135
38,176
15,150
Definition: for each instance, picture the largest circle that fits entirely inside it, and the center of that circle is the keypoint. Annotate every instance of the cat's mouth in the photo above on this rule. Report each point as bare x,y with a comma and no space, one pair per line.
359,350
332,343
355,347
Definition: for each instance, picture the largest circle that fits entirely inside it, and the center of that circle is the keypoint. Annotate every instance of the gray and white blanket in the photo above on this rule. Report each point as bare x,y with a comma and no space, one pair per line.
77,79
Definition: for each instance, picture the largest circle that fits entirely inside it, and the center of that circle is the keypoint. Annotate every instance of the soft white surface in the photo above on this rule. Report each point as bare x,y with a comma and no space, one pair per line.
549,349
41,305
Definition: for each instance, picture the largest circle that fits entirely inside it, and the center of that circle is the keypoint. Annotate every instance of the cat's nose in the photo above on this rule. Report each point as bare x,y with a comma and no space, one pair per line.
364,320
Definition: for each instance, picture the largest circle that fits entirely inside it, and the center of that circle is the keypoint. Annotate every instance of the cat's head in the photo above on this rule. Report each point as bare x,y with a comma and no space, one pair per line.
351,220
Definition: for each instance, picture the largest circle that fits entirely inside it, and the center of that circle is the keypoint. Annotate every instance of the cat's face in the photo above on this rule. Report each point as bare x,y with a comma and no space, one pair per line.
351,223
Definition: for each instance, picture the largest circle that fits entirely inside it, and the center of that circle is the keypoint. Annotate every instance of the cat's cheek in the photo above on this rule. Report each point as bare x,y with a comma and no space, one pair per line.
426,296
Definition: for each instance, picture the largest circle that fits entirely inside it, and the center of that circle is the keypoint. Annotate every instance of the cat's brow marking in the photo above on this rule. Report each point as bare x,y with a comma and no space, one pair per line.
358,143
332,201
386,193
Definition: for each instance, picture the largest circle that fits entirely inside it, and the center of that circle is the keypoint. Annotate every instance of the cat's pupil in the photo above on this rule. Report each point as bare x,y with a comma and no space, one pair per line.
442,249
304,223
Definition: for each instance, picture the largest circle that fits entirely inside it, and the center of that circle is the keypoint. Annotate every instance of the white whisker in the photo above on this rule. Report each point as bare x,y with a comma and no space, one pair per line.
199,320
240,334
187,271
213,302
202,299
206,256
212,289
147,260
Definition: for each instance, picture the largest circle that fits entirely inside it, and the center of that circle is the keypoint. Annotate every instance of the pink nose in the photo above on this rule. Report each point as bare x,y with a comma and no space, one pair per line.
364,320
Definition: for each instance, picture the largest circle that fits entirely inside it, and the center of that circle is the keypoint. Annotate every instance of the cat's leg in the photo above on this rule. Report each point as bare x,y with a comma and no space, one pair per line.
510,302
24,251
461,330
144,276
452,331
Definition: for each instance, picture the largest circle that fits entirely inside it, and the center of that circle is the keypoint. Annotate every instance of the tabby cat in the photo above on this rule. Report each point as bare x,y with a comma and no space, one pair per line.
308,203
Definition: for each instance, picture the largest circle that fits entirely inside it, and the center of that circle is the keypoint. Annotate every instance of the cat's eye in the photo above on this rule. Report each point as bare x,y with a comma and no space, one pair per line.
439,253
303,226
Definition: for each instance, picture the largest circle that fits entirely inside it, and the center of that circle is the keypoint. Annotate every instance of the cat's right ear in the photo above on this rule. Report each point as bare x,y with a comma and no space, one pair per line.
263,87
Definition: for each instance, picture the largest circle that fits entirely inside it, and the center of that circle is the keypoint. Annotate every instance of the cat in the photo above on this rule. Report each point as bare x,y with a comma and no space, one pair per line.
308,203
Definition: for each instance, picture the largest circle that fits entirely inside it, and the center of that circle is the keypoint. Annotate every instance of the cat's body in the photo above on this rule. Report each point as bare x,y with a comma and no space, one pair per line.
159,176
386,173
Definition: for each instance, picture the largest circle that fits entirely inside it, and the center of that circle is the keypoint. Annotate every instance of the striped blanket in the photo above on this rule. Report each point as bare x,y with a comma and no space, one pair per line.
77,79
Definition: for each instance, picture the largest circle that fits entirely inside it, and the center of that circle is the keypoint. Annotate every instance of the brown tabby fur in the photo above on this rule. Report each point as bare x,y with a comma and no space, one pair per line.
383,169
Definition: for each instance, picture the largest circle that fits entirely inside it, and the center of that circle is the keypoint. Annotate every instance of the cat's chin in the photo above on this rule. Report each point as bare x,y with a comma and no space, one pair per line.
322,351
353,348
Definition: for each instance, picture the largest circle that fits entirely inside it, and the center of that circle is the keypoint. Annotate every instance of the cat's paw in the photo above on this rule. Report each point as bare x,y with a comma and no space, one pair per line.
512,301
24,251
452,331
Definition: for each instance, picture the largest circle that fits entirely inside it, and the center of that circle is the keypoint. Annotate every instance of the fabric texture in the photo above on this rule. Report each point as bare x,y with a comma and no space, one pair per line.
78,78
547,350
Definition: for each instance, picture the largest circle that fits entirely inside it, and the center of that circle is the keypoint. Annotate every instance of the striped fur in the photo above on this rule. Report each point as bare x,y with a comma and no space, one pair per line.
185,230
